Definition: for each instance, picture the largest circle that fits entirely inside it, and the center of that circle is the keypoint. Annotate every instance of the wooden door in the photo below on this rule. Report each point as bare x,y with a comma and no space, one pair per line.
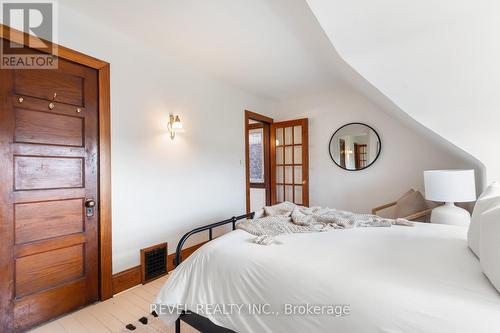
48,175
357,160
360,156
342,152
290,162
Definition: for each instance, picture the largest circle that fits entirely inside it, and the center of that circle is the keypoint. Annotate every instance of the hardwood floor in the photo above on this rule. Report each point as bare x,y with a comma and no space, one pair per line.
113,315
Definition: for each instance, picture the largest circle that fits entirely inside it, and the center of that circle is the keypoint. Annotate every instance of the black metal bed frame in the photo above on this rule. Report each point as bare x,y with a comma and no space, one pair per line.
195,320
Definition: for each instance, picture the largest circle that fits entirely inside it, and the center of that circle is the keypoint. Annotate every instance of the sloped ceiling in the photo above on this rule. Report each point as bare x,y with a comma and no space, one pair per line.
274,49
436,60
408,58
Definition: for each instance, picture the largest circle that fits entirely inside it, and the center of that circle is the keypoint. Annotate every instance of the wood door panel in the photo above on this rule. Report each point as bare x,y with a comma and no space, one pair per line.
44,270
35,309
43,150
34,172
42,83
24,250
42,220
47,128
46,195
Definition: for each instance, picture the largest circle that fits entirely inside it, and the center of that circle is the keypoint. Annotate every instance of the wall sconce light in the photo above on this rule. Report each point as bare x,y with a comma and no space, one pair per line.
174,126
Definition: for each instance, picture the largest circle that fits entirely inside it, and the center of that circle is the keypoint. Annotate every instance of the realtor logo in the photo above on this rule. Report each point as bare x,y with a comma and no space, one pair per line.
34,50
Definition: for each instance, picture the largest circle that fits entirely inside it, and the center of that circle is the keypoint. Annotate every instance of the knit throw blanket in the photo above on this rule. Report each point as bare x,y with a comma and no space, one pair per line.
288,218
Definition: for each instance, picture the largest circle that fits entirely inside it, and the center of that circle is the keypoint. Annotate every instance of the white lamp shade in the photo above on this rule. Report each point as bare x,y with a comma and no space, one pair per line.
450,185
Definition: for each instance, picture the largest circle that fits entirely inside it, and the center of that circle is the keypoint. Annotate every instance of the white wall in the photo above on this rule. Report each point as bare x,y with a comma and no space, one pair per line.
436,59
163,188
405,154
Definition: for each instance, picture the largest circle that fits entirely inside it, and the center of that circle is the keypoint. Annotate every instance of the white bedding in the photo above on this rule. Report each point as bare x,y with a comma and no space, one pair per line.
399,279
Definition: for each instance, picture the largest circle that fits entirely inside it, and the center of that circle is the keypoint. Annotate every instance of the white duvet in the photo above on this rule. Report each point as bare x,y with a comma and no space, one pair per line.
398,279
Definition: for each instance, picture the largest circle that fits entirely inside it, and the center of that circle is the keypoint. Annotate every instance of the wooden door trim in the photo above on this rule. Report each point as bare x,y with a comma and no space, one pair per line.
249,115
103,68
105,249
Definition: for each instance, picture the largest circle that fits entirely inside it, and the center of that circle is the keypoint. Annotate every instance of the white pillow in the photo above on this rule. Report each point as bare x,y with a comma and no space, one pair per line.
487,200
259,214
490,245
281,209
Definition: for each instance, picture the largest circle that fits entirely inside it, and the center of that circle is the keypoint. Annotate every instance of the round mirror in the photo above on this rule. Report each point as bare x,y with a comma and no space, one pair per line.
355,146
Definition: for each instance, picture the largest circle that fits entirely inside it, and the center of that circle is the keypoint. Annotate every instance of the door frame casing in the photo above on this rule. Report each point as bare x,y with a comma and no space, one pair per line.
104,181
249,115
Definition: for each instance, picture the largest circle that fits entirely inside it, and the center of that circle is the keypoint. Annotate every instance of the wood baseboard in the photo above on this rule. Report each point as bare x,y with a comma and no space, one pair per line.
126,279
185,253
133,276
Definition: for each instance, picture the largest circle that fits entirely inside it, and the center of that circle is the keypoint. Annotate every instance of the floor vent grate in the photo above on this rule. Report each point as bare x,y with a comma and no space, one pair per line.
154,262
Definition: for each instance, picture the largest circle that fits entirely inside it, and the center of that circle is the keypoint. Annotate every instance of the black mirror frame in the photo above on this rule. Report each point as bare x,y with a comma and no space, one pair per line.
355,123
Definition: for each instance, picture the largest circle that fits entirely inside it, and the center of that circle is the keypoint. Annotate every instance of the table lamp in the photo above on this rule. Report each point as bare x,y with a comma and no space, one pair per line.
450,186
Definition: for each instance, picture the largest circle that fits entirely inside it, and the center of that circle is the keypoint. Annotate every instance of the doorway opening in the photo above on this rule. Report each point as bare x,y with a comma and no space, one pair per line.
276,160
257,160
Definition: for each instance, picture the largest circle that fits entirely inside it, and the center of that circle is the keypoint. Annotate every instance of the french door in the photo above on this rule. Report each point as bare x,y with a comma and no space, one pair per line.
290,162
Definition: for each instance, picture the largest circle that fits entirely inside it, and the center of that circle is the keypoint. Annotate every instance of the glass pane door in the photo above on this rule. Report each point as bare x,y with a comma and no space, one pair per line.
290,162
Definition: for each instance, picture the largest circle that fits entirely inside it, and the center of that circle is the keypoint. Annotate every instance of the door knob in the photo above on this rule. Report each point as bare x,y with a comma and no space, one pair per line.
89,203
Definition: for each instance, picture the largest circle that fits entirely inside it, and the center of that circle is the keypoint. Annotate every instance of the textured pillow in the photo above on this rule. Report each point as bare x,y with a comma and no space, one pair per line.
259,213
411,203
490,245
487,200
281,209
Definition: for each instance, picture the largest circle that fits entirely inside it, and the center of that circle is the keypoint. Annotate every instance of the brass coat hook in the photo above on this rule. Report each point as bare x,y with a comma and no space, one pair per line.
51,104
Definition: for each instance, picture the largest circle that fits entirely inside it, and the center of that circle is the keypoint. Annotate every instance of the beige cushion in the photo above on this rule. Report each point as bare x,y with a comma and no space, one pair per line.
489,245
389,212
411,191
411,203
281,209
487,200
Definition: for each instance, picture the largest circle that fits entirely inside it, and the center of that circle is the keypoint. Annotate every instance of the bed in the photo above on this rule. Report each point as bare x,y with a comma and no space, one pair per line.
398,279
